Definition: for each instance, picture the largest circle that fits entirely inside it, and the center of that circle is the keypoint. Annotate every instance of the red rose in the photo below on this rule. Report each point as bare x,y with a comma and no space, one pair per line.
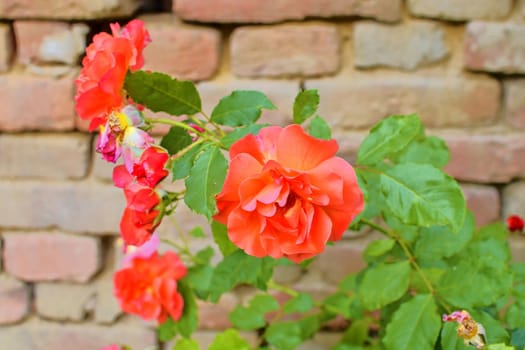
104,68
515,223
286,194
148,287
148,171
139,219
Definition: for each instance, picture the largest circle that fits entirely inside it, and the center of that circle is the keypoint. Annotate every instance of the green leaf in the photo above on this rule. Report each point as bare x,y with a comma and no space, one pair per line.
429,150
161,93
499,346
199,278
305,105
309,326
415,325
189,320
450,339
420,194
496,333
469,284
238,268
175,140
518,338
204,255
198,232
181,166
220,236
514,315
301,303
252,316
239,133
231,340
377,248
338,304
389,137
186,344
383,284
241,108
167,330
319,128
439,241
205,181
357,333
284,335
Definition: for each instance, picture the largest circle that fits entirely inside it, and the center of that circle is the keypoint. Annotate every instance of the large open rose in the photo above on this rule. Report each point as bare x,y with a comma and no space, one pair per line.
286,194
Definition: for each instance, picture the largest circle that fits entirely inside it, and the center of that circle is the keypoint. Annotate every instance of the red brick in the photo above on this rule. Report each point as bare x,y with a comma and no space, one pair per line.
406,46
54,156
67,9
42,41
485,158
281,93
263,11
36,103
483,201
51,256
460,10
40,335
514,103
74,206
14,300
360,100
183,51
64,301
6,47
495,47
307,49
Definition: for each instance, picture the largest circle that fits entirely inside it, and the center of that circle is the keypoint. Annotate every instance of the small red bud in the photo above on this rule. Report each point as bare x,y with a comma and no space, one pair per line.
515,223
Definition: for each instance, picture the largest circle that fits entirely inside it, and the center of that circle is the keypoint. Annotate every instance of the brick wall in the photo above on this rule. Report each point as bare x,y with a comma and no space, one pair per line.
460,65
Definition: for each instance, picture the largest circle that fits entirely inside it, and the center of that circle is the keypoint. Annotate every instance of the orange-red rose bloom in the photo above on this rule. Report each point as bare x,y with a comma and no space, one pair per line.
104,68
148,287
286,194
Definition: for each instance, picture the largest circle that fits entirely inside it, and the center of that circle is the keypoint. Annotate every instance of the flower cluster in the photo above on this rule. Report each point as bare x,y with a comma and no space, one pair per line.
468,329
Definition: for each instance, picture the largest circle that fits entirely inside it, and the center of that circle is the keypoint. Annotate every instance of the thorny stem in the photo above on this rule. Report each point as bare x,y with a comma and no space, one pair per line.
408,253
207,134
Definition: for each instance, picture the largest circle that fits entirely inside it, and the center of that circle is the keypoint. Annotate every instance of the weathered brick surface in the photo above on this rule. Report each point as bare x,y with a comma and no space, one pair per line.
281,93
63,301
41,335
14,300
460,10
363,99
39,41
485,158
289,49
185,52
215,316
262,11
515,102
36,103
6,47
514,199
67,9
406,46
484,201
51,256
74,206
54,156
517,247
495,47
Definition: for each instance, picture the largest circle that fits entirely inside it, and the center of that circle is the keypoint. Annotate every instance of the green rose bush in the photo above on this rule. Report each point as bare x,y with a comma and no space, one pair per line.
278,196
